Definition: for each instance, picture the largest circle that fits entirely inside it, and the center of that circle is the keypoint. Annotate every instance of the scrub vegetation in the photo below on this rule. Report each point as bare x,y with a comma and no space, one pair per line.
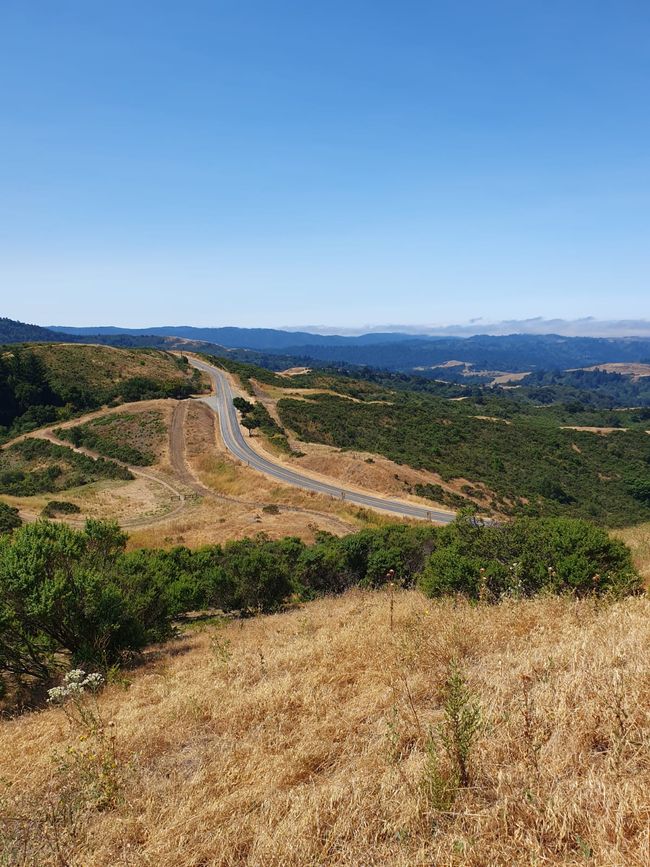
41,383
36,466
131,437
78,597
532,464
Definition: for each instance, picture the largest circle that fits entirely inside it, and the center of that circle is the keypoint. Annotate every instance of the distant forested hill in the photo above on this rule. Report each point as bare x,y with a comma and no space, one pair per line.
12,331
390,351
403,352
264,339
514,352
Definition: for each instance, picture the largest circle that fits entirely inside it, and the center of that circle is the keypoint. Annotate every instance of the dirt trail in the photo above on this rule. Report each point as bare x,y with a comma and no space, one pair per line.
181,467
49,435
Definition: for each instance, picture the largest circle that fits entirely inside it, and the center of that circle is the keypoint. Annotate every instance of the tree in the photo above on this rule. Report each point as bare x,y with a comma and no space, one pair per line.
250,424
61,596
243,405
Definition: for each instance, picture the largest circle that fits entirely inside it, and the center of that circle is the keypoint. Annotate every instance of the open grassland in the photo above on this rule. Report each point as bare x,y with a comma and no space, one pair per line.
312,737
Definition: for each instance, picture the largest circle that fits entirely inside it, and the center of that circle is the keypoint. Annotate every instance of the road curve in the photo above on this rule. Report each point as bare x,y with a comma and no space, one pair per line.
221,403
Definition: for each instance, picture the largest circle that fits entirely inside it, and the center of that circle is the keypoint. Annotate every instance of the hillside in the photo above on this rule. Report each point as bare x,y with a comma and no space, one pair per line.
311,737
530,463
40,382
459,446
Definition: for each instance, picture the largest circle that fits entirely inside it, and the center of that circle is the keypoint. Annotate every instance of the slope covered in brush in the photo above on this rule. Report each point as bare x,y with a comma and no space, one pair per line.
43,382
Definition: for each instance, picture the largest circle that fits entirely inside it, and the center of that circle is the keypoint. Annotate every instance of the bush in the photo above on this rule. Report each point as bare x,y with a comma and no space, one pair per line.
59,507
9,518
526,557
60,595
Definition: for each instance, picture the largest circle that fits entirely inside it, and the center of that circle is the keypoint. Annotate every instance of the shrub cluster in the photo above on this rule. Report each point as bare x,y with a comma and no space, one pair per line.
78,596
23,474
59,507
9,518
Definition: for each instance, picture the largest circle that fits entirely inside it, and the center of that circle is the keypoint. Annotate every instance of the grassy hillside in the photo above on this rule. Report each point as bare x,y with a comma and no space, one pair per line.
40,383
318,737
106,368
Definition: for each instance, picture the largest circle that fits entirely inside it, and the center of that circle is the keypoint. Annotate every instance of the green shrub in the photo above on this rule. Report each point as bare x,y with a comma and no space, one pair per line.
59,507
528,556
9,518
60,594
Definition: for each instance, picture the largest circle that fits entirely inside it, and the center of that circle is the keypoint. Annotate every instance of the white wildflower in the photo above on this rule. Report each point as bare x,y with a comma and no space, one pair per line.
75,683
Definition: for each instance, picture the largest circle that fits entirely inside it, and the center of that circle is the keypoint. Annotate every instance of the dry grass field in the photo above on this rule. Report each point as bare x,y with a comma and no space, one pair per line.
638,539
94,366
311,738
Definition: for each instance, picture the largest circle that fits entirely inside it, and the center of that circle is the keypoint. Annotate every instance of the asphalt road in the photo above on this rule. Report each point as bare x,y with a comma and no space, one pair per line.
221,403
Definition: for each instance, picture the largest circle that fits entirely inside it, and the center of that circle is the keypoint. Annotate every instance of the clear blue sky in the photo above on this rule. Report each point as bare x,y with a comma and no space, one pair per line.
335,162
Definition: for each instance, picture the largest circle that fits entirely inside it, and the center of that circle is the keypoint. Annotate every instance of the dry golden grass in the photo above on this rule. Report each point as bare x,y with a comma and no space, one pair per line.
638,539
98,366
634,370
300,739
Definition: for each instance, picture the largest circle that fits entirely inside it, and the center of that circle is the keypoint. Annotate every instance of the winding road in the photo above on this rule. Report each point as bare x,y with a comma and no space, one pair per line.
221,403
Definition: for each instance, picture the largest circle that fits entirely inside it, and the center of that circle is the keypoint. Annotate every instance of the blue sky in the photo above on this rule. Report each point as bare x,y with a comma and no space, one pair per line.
342,163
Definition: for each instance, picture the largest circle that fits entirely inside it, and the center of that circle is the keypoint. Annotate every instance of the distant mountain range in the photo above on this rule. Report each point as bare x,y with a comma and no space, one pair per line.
395,351
265,339
588,326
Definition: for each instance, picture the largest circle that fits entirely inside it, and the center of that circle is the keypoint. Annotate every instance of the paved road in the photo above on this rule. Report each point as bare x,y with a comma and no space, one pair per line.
221,403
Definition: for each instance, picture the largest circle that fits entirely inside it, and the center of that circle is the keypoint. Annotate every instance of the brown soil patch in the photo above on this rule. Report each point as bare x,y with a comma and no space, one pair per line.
492,418
503,378
603,431
295,371
634,370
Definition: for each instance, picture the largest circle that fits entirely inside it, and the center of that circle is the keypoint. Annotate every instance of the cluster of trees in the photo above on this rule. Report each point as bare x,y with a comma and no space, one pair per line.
586,388
79,597
256,415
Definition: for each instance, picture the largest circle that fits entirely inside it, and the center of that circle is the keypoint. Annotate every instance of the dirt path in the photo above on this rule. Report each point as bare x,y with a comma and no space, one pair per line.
151,475
181,467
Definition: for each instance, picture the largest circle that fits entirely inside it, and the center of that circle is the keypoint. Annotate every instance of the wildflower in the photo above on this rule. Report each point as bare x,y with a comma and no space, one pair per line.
75,683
